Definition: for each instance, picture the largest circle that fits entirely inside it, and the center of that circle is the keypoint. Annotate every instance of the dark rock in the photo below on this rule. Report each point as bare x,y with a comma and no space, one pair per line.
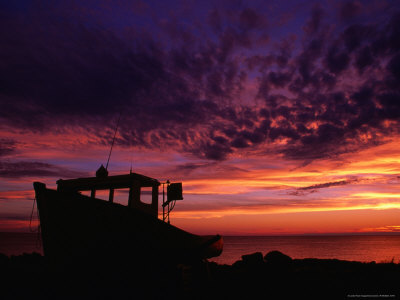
238,264
3,259
253,259
277,258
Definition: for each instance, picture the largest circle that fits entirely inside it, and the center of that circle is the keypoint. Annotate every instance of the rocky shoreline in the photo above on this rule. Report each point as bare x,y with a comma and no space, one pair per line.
273,276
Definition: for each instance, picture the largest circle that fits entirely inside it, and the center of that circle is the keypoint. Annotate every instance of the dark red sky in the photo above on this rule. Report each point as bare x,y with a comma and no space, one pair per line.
266,108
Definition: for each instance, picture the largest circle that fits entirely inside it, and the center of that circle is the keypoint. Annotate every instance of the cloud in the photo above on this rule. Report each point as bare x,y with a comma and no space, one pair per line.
7,147
319,95
350,9
388,228
22,169
202,170
315,21
188,168
313,188
336,59
326,185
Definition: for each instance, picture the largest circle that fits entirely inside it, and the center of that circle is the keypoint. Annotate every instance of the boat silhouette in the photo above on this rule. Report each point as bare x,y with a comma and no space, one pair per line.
78,227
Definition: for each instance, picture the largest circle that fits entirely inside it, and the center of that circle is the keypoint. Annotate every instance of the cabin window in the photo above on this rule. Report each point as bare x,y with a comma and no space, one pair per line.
85,193
146,195
102,194
121,196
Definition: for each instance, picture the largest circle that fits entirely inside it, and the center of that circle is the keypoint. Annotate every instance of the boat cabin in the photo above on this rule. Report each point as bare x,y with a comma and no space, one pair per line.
133,181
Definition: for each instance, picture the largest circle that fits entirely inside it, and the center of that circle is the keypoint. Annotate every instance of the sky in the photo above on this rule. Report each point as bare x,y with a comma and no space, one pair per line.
279,117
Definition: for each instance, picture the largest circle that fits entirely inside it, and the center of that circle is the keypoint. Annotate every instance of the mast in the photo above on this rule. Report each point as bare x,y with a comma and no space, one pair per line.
113,141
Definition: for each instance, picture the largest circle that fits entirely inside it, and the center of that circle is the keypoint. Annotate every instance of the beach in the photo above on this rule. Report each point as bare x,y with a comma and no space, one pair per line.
255,276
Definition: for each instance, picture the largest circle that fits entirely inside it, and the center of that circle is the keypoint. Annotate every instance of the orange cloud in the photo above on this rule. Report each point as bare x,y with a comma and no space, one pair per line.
387,228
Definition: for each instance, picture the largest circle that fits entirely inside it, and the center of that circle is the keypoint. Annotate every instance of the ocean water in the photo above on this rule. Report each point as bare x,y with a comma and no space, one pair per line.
365,248
17,243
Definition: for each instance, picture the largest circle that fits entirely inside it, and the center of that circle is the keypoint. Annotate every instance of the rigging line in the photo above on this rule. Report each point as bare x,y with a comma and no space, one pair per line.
38,230
130,171
39,243
31,218
113,141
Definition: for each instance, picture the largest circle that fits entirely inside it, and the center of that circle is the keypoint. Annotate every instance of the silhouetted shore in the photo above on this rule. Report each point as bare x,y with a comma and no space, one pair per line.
273,276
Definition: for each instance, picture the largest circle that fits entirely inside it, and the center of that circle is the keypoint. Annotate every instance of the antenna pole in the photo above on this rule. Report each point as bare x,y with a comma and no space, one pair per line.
163,201
165,215
112,145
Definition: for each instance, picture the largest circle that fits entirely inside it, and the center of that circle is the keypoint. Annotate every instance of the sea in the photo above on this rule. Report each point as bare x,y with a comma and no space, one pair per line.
364,248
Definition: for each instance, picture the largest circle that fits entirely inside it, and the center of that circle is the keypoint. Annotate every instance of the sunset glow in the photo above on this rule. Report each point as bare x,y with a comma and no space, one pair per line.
278,117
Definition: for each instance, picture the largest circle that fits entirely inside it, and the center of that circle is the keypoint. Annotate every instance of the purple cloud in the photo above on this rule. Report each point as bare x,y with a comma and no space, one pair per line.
313,188
21,169
187,89
7,147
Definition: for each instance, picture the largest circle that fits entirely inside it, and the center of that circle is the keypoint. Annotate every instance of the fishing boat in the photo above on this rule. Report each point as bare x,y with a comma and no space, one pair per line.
77,226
